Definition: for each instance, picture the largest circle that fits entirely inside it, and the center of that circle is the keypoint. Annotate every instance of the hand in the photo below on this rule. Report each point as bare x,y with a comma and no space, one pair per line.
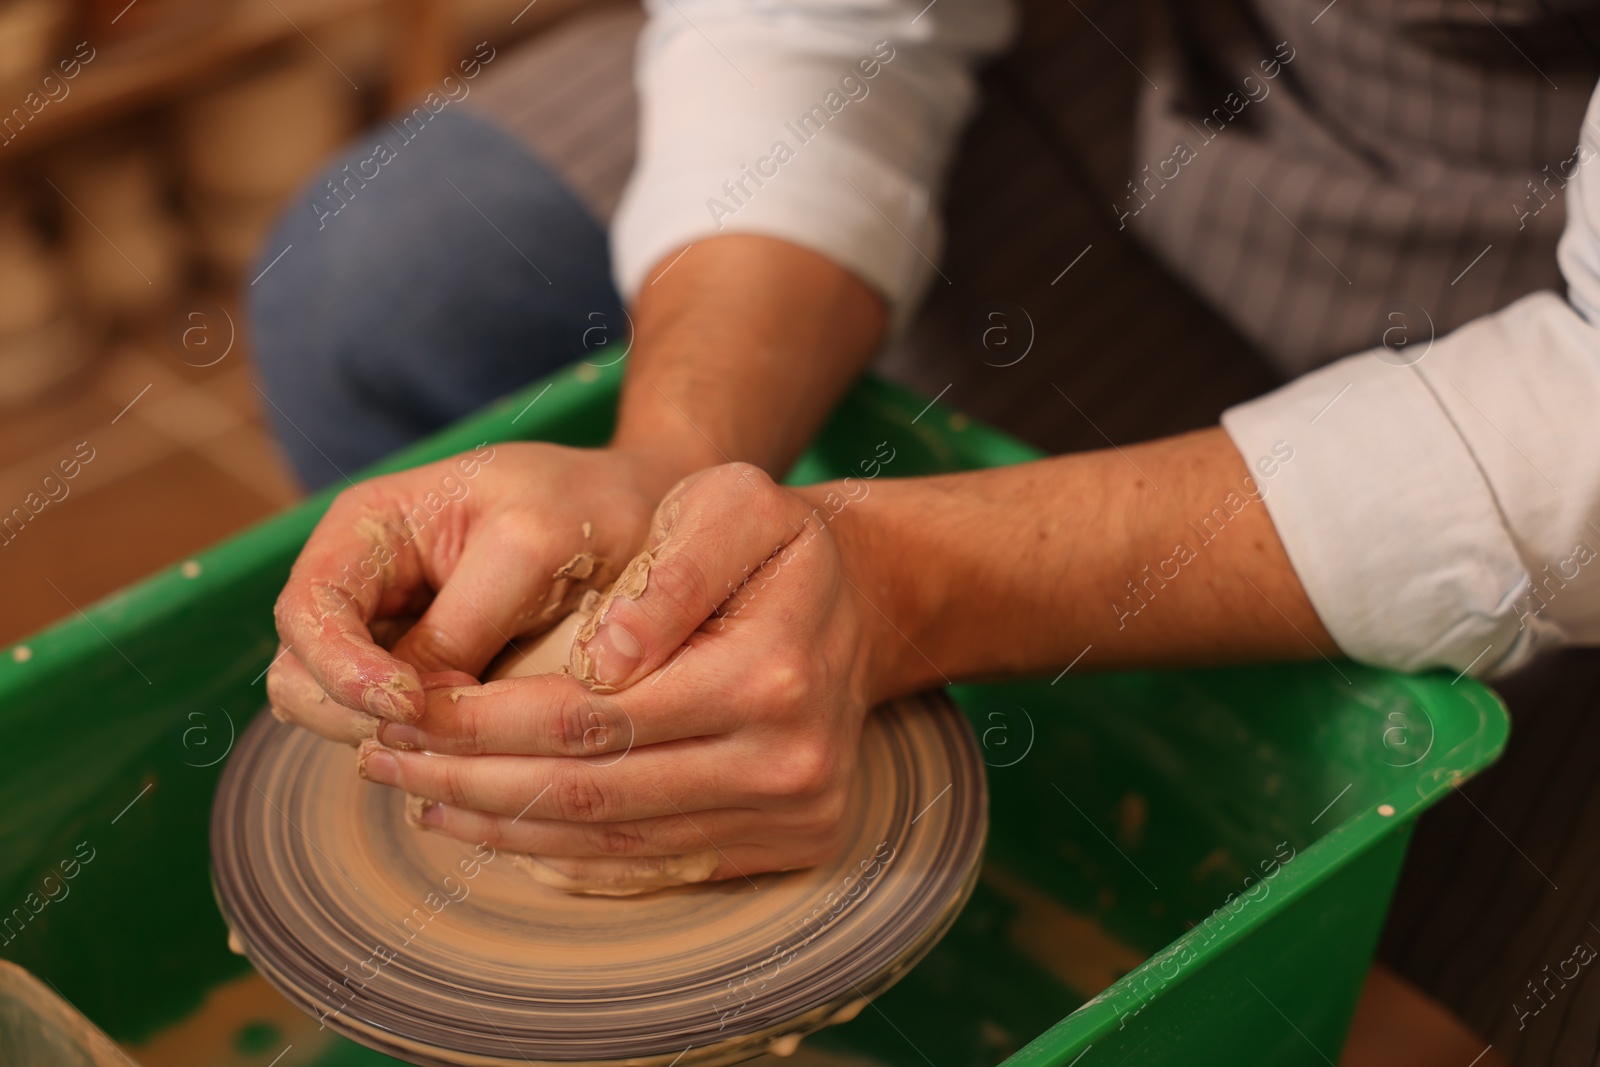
730,673
460,557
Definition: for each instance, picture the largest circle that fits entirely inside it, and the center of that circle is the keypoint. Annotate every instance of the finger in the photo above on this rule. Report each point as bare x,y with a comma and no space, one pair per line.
554,715
481,606
296,697
695,777
354,567
711,536
668,835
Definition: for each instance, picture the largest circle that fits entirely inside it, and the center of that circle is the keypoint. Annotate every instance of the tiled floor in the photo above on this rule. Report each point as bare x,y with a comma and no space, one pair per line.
181,458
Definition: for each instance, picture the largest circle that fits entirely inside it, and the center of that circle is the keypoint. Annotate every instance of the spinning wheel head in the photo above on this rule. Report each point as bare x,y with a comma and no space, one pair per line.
440,952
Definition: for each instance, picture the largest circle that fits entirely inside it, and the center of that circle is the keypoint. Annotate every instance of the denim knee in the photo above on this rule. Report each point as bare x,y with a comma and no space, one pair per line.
423,274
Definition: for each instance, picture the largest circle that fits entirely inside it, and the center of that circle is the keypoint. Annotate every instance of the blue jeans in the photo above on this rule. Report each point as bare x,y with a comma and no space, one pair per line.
425,282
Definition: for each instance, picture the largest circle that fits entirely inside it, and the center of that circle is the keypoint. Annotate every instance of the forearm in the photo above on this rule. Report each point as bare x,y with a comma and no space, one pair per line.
1158,554
742,347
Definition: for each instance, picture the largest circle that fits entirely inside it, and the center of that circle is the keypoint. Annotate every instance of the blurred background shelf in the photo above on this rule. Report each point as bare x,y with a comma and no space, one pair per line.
134,196
139,67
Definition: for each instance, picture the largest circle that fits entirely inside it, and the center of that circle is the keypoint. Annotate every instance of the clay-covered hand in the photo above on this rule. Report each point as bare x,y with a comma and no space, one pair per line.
711,724
459,556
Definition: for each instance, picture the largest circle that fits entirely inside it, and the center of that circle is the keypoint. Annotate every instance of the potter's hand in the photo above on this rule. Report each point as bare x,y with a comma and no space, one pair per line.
484,547
738,656
731,672
721,367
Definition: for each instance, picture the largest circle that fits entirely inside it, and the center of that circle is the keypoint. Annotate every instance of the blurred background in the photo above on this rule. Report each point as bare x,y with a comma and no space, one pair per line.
145,150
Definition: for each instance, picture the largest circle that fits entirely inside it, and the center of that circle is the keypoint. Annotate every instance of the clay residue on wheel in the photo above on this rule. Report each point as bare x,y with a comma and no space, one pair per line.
616,877
782,932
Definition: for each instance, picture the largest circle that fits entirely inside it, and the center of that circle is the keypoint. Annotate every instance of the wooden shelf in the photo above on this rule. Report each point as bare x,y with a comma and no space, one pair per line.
112,85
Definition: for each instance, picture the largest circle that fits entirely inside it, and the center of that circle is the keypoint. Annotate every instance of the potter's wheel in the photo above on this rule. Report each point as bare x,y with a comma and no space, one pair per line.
428,949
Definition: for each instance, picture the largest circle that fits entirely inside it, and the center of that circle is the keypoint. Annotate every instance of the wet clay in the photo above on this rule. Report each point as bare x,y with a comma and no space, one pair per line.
623,878
571,582
630,585
438,951
550,653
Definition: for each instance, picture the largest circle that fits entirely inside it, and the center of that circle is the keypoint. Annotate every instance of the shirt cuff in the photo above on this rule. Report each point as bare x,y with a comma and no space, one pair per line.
1388,519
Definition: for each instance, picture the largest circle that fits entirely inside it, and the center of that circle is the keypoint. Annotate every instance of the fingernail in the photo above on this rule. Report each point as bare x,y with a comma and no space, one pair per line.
377,764
398,700
614,653
277,713
400,736
423,813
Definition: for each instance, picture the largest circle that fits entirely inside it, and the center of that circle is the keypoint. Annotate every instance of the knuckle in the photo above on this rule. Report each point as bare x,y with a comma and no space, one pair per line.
469,734
781,684
680,591
805,772
578,798
611,839
523,542
604,731
498,833
454,781
751,475
766,499
569,725
575,725
437,646
828,812
771,504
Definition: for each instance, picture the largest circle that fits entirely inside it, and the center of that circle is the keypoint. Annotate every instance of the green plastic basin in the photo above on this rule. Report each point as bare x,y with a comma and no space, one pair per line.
1184,867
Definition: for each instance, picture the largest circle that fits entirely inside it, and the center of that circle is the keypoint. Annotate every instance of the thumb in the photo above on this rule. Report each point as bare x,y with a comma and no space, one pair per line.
710,534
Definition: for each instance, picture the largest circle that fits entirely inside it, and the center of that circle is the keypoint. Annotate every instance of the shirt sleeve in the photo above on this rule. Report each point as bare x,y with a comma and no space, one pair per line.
826,123
1442,503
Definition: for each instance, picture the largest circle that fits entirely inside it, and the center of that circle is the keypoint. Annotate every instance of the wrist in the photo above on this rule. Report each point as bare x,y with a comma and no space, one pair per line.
723,370
886,597
666,436
658,461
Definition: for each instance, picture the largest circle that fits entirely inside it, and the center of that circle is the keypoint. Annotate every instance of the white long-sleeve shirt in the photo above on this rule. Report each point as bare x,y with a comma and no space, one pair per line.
1444,512
827,123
